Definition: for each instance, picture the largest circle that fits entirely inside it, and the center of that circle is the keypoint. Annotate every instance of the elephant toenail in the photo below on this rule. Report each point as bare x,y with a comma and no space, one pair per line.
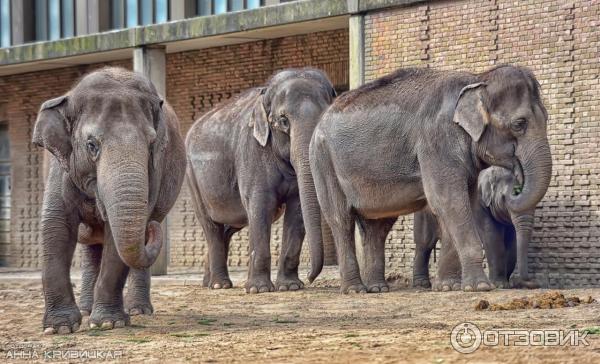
283,288
49,331
468,288
385,289
107,325
75,327
135,312
216,286
93,326
263,289
253,290
445,288
63,330
119,323
294,287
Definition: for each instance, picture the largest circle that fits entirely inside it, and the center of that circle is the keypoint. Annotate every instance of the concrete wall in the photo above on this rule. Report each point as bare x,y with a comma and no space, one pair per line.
560,42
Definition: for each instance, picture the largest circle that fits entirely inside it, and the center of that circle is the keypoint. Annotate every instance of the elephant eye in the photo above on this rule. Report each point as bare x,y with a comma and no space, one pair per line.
284,122
93,147
519,125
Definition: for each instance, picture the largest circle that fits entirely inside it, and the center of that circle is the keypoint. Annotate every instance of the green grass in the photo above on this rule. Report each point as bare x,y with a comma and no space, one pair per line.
228,324
189,334
206,321
284,321
351,335
592,330
96,332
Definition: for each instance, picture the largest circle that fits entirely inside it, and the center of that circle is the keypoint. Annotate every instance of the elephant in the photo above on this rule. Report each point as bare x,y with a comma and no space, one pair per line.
418,137
248,165
505,235
117,166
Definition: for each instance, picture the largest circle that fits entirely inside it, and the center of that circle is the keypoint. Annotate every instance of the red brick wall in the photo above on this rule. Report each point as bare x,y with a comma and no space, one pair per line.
197,80
560,42
23,94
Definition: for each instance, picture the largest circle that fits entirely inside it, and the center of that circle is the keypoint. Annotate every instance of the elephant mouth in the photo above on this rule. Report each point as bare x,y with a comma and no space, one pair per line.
518,174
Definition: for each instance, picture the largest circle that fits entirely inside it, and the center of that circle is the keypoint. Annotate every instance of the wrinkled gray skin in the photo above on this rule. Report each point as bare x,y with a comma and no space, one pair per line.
118,165
418,137
247,159
505,235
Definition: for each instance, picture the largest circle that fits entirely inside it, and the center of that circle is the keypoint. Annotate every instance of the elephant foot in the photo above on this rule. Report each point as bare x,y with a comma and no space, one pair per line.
289,282
354,286
447,284
62,320
518,283
421,282
259,284
501,283
139,308
220,283
477,283
377,287
108,317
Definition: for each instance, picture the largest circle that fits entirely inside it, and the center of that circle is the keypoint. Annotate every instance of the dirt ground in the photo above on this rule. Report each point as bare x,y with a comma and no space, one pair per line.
317,324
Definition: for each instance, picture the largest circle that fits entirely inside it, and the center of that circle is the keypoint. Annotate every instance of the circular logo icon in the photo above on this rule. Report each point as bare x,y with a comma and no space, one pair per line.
465,338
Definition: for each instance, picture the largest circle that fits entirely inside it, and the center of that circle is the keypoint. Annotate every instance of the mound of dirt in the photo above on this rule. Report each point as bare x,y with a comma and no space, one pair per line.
552,299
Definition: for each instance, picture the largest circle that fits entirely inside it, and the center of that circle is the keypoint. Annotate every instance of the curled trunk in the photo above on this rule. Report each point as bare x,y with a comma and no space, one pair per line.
535,171
123,188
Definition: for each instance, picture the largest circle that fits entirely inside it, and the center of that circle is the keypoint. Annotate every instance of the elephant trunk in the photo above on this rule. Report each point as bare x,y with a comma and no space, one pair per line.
534,171
311,211
523,227
123,190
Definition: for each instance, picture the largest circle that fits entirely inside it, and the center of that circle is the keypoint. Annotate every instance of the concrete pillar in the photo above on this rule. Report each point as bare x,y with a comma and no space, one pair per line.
22,29
151,61
356,35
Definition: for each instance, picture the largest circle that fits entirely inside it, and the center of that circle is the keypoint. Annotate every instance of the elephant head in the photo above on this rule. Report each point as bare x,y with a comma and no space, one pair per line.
109,134
286,114
503,113
496,186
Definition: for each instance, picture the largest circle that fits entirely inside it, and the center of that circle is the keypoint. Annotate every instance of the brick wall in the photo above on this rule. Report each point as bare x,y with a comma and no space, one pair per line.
560,42
23,94
198,80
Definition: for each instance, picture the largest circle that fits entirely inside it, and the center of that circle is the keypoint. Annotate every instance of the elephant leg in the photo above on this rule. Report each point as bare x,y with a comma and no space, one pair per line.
425,237
492,235
449,269
261,211
452,206
90,267
137,299
59,236
374,233
293,234
216,274
108,311
510,244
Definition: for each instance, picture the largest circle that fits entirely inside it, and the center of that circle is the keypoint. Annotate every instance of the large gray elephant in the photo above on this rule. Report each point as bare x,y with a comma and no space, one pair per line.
247,159
505,235
421,136
118,165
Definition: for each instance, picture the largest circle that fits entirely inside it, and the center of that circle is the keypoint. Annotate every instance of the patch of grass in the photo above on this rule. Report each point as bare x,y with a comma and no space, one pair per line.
351,335
228,324
592,330
96,332
284,321
139,340
171,323
189,334
206,321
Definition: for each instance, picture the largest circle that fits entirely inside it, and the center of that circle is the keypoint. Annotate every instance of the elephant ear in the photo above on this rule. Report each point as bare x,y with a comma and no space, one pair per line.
52,130
470,112
486,189
161,115
260,120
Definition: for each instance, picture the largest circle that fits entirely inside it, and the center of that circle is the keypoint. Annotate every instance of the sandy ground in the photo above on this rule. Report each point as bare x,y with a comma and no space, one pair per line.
317,324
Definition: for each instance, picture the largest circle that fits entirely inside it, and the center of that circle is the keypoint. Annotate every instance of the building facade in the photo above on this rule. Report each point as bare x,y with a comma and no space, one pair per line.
203,52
